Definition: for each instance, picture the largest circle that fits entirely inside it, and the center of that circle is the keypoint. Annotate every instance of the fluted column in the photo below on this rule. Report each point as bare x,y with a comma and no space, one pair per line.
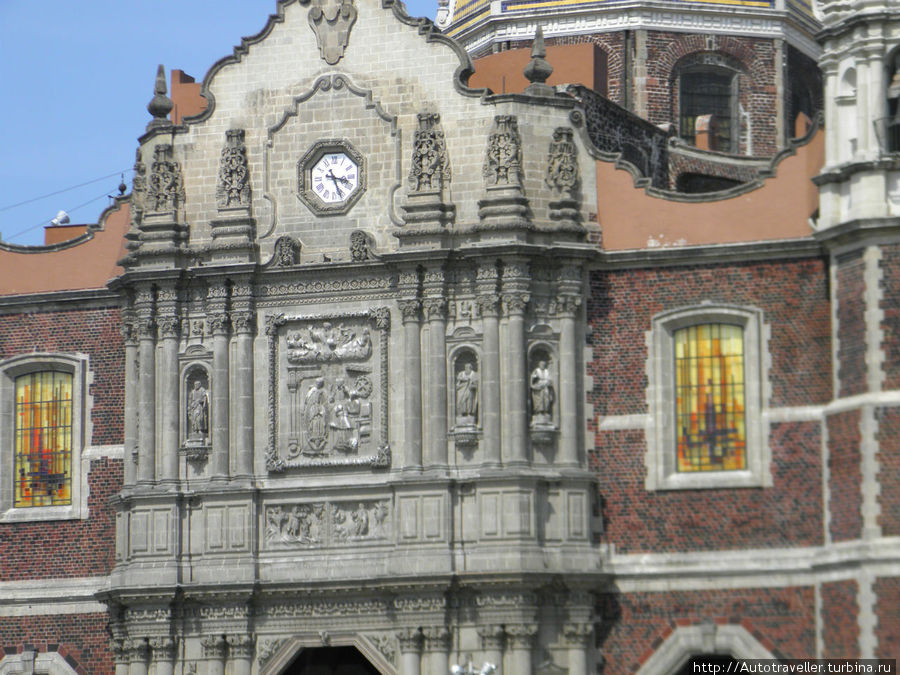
243,384
520,638
132,402
214,654
412,384
218,324
139,654
568,382
240,653
578,641
492,640
146,470
436,399
169,404
515,440
410,640
490,398
163,650
437,649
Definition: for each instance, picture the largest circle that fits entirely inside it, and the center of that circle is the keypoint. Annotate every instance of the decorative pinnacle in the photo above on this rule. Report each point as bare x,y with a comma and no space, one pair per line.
160,105
538,69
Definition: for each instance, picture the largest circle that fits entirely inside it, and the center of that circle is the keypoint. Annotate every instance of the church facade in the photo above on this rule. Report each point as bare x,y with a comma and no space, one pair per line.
378,372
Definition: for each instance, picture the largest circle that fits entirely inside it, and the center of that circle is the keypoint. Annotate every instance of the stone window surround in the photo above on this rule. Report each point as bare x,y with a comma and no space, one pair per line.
708,638
660,458
34,663
78,366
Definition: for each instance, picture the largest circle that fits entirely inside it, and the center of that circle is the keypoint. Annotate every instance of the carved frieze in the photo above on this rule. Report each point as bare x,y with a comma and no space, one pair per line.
328,390
233,187
165,189
327,523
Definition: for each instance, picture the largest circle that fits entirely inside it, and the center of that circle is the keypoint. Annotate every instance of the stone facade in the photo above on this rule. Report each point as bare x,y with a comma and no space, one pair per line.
368,388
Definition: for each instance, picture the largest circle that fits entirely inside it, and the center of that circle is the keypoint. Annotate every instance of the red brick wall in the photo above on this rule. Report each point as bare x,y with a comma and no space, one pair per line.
888,458
787,514
66,548
93,332
634,625
845,475
851,328
890,305
887,609
840,628
81,639
792,294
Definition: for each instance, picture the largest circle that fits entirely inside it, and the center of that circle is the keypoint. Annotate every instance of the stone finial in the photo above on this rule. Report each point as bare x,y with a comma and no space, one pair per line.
538,69
160,105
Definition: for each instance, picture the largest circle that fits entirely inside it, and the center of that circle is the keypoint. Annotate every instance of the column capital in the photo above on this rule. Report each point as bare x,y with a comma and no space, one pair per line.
119,649
492,637
514,303
218,323
437,638
129,333
169,326
578,634
521,635
138,650
146,328
213,646
488,305
163,648
410,640
409,310
244,323
435,308
240,646
565,306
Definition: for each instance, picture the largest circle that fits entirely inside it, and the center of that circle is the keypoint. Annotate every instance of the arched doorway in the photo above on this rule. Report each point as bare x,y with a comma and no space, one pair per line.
330,661
695,663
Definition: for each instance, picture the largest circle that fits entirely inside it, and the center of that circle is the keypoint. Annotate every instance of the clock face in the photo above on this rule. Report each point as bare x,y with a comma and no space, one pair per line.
335,177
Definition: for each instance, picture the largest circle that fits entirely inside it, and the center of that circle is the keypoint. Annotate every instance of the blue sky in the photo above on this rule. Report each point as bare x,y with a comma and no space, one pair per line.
76,79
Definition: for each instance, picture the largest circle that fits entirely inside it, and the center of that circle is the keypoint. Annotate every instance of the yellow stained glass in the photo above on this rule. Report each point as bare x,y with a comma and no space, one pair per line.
711,430
43,439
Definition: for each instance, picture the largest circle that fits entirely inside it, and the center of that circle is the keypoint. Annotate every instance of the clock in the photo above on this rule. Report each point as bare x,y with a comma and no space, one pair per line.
331,177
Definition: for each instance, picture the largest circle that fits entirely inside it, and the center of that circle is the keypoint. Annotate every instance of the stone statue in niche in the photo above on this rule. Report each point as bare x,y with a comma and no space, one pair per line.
466,392
197,408
543,393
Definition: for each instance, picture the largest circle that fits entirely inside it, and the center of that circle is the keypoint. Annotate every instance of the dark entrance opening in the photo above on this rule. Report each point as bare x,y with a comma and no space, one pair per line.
330,661
696,664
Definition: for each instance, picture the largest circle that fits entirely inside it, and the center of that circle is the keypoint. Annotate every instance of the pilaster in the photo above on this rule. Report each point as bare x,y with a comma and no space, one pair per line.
410,312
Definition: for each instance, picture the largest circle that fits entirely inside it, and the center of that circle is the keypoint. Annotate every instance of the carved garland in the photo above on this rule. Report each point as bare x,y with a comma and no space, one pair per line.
326,343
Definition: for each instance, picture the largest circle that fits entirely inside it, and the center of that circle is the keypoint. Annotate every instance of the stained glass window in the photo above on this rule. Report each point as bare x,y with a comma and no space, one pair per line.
43,439
709,398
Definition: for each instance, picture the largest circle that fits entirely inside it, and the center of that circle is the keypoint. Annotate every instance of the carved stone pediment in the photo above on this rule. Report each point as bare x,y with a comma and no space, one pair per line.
328,390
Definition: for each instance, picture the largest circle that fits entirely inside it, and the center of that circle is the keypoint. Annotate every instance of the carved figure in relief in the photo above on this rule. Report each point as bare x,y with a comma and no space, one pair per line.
466,394
340,425
198,412
542,393
328,343
314,413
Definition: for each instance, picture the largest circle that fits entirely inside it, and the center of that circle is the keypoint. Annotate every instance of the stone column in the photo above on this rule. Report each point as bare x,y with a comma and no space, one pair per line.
139,654
569,427
220,465
170,410
410,651
436,396
240,653
132,403
243,394
437,649
578,641
146,470
121,656
492,639
520,638
412,384
490,396
214,654
163,649
515,439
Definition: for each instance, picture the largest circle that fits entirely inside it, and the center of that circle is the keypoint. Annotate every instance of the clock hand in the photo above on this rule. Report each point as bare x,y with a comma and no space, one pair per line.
334,179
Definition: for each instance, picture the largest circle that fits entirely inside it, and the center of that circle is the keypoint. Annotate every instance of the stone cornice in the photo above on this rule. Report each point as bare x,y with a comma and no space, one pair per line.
56,301
711,254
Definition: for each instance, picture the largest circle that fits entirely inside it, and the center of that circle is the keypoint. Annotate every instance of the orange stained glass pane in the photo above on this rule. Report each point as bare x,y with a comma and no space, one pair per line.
43,439
709,398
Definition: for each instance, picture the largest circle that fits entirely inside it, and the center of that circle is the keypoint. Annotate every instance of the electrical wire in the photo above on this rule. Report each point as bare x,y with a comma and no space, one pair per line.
52,194
74,208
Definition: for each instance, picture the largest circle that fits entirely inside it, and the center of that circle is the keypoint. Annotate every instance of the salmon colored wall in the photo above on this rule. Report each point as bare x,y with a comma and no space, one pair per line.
780,209
185,97
87,265
56,234
572,64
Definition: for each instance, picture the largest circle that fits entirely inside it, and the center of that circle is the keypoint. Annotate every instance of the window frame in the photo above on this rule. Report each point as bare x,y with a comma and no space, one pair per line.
719,64
77,366
661,458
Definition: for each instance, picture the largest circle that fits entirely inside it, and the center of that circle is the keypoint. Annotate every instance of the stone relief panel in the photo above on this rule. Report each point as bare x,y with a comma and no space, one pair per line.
328,523
328,390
